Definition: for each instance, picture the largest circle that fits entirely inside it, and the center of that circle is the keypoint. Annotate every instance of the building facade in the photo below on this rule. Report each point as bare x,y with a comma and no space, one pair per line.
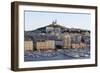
28,44
45,45
66,39
40,45
50,44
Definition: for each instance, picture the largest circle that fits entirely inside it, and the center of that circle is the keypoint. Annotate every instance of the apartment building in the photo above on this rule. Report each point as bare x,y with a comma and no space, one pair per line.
28,44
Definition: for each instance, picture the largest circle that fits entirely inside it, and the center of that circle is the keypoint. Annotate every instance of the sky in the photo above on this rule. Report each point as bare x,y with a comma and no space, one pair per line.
37,19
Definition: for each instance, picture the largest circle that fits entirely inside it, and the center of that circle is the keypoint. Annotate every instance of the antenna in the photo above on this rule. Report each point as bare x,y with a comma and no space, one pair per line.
54,21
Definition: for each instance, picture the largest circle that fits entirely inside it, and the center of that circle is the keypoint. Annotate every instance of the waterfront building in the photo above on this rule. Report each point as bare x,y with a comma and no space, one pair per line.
28,44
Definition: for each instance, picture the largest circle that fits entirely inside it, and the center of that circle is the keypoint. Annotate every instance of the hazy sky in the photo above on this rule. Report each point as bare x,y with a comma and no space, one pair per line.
36,19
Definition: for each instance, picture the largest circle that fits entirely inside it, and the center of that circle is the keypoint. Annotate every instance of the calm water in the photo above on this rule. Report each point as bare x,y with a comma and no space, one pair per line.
57,55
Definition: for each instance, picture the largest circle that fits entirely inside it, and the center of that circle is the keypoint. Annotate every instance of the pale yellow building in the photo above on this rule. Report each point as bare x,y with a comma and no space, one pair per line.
78,45
44,45
28,44
40,45
67,40
50,44
82,45
75,45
